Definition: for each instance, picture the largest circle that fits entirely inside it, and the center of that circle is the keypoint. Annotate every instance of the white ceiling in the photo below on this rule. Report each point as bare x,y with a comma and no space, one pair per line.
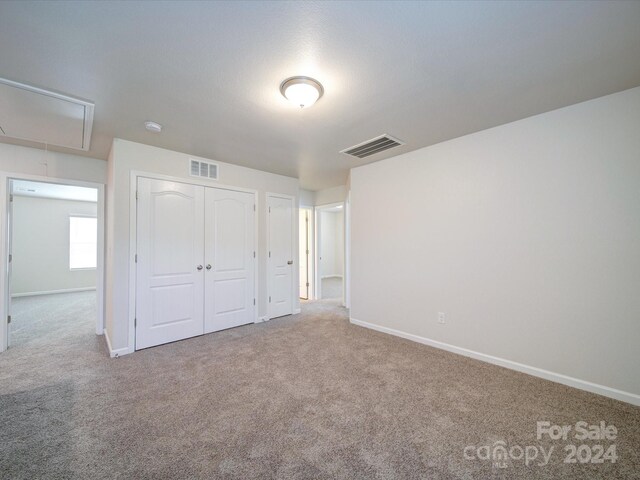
53,190
423,72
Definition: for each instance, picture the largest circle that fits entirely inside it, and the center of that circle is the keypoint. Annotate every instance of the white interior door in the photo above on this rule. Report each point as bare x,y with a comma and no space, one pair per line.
230,259
281,256
170,272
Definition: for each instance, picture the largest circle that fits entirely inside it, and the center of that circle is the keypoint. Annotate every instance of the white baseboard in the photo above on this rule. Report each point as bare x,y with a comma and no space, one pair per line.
51,292
330,276
621,395
261,319
296,310
118,352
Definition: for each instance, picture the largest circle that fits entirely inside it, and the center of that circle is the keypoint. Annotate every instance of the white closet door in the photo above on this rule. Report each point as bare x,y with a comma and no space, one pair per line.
170,273
229,256
281,255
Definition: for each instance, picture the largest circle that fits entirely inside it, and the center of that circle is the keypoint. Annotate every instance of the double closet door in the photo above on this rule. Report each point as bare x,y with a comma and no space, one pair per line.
195,260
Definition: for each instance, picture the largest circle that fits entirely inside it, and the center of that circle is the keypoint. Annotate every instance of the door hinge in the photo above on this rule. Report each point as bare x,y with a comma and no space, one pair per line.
135,322
254,254
254,207
135,258
8,319
254,301
11,197
269,209
136,194
269,299
307,284
10,258
269,254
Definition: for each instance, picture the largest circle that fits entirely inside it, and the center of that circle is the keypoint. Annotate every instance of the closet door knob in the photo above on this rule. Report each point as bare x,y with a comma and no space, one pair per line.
199,267
290,262
208,266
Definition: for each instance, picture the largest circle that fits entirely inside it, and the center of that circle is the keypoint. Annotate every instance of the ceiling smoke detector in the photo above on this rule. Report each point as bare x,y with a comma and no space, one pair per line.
153,127
301,91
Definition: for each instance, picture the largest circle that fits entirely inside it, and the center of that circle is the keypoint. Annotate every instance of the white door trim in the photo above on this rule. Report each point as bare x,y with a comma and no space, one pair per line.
347,251
133,214
5,177
294,246
311,257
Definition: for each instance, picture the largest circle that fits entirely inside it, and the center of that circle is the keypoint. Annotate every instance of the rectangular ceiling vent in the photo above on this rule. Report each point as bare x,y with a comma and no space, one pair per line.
198,168
375,145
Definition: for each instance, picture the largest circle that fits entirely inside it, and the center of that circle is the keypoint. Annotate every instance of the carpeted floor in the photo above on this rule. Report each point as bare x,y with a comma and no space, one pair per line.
52,320
302,397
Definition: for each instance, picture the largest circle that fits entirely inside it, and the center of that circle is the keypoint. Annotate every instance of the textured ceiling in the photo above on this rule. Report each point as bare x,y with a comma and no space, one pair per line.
423,72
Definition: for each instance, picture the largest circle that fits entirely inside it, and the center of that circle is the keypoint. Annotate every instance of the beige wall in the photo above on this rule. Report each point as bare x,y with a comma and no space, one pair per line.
32,161
327,196
41,245
129,156
330,195
526,235
331,244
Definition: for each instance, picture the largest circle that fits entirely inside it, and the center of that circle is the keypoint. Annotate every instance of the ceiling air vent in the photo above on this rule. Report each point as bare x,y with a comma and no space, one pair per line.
375,145
198,168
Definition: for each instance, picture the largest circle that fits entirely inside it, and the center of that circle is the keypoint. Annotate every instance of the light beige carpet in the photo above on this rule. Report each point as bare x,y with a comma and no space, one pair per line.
331,288
302,397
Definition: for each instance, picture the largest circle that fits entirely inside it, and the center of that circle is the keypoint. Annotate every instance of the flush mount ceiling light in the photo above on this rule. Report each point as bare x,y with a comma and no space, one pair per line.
302,91
153,127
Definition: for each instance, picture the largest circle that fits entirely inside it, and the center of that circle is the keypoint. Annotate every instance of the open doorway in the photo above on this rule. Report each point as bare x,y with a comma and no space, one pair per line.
54,274
330,251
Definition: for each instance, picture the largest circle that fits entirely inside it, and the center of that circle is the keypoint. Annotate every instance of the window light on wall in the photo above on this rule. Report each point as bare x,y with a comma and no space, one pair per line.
83,242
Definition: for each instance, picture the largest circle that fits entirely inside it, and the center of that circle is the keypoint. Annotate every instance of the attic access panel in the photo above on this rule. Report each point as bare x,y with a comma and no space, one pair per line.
38,115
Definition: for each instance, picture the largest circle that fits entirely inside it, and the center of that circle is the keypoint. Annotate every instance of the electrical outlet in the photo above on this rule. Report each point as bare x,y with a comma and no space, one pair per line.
441,317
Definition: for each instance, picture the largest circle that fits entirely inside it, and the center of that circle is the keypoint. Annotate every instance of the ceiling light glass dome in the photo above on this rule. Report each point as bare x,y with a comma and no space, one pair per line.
301,91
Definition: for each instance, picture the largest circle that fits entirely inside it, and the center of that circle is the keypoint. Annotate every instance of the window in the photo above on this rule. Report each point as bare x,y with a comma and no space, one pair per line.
83,242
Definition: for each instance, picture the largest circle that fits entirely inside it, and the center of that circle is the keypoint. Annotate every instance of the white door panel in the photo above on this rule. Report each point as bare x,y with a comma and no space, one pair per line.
281,255
229,256
170,248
